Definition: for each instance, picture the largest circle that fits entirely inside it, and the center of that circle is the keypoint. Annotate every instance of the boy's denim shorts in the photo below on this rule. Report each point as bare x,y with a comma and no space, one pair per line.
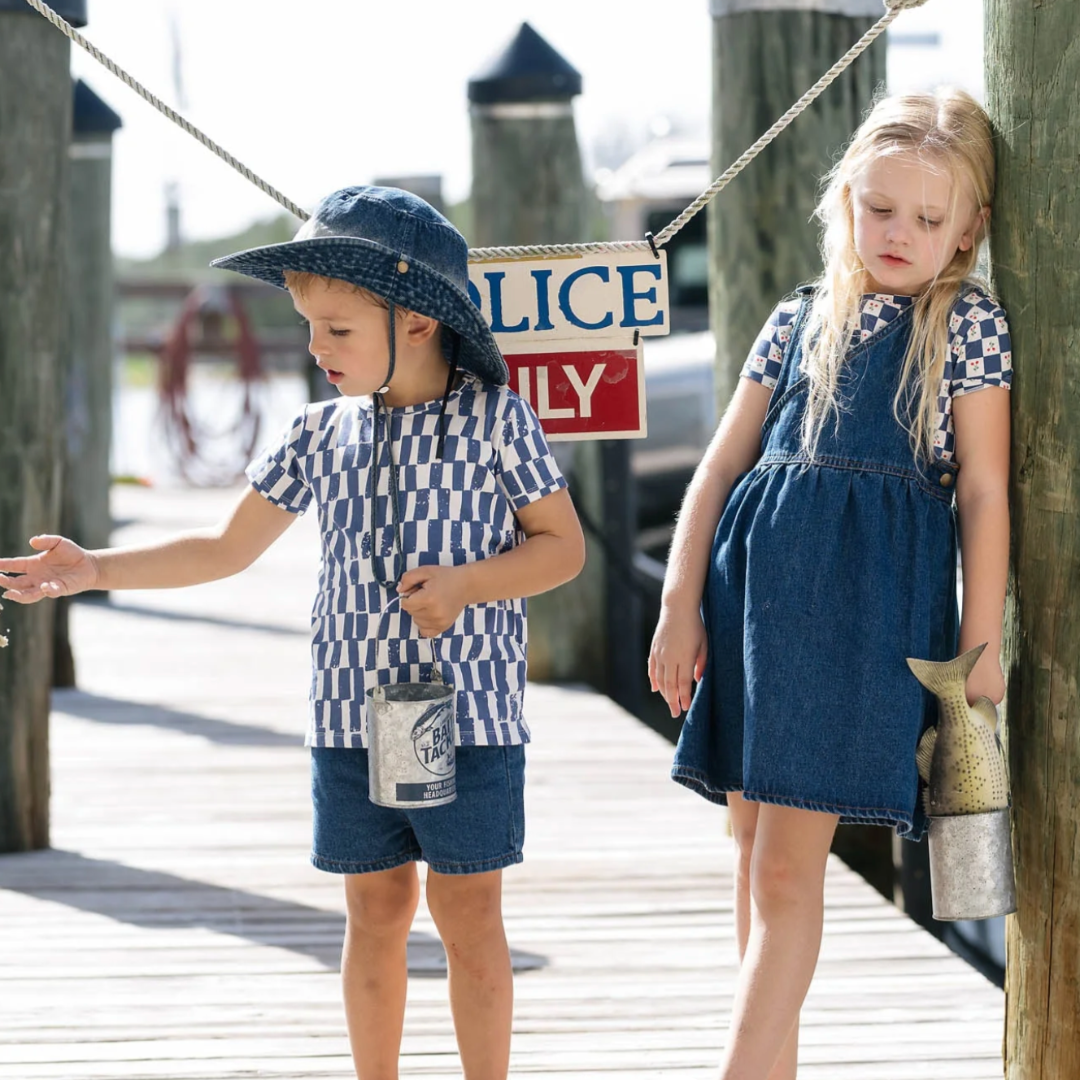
482,829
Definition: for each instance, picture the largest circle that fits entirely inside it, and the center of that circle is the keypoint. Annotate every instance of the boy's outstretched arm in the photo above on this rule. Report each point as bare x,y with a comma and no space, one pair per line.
63,568
553,553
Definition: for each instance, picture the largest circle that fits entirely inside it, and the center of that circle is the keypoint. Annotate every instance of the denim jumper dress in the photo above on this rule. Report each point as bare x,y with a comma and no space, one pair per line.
823,578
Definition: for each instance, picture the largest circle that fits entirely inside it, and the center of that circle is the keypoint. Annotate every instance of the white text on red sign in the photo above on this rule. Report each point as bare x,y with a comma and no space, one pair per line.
589,390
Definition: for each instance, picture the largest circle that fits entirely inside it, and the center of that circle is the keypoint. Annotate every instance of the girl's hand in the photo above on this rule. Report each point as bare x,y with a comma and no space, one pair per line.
434,597
986,680
677,657
62,569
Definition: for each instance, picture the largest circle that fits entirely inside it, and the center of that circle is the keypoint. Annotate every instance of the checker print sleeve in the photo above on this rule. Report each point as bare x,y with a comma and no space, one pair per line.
277,474
525,467
981,346
763,363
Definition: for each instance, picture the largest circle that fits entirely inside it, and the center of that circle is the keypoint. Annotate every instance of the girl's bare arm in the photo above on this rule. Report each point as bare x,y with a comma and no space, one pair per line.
678,649
981,421
63,568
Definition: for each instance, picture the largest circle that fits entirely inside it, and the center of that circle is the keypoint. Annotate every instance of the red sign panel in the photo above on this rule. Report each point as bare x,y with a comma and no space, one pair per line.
583,393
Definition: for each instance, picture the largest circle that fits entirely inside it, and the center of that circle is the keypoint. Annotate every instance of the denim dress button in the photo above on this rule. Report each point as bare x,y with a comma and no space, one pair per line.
946,480
403,267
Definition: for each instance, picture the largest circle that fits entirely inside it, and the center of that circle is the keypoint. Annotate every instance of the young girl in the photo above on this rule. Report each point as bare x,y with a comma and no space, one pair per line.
830,488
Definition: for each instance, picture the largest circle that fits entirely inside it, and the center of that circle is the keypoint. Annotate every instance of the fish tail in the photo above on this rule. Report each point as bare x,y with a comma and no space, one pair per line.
940,678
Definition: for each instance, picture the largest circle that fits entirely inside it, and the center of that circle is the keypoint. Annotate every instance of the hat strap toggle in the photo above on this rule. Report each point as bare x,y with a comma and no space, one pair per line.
393,353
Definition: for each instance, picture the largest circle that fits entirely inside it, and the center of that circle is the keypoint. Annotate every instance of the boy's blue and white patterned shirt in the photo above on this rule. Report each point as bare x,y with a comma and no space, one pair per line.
980,353
454,510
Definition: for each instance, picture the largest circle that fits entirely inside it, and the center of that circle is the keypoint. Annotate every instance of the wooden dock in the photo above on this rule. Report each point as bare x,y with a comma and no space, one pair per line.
176,930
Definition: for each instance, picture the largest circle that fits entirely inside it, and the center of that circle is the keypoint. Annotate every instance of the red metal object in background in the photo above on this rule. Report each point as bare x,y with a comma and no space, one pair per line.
200,328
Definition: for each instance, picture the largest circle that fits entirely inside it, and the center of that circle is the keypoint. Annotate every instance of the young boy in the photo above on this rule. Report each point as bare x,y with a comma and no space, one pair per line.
440,508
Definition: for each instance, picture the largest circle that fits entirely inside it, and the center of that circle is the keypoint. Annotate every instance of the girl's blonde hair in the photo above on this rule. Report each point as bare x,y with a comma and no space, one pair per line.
949,131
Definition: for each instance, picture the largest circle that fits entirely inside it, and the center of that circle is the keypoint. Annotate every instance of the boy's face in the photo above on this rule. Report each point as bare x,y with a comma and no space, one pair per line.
908,225
349,336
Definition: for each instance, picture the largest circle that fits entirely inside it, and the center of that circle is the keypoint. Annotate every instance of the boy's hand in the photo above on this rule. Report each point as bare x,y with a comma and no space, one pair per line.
434,597
62,569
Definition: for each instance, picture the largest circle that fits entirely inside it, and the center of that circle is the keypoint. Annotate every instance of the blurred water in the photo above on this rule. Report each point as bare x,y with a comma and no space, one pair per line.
141,446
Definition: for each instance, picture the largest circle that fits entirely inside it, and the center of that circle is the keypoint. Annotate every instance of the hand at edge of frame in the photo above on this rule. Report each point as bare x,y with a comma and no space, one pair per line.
61,569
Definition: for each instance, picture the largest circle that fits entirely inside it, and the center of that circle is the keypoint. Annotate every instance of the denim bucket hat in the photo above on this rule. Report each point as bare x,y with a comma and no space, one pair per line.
395,245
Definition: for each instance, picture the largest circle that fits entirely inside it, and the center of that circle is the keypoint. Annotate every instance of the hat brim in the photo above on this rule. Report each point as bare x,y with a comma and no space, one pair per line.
376,268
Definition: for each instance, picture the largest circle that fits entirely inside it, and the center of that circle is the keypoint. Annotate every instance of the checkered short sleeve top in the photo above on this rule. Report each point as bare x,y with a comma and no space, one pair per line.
980,354
453,510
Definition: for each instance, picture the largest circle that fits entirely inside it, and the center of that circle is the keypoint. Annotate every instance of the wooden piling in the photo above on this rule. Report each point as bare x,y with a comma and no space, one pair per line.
1032,74
35,130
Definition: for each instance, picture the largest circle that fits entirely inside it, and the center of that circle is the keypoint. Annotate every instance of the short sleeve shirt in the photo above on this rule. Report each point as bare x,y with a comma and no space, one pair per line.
453,510
980,350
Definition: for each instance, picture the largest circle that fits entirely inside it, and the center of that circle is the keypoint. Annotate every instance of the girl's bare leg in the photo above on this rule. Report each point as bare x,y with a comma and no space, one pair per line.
778,917
374,966
467,909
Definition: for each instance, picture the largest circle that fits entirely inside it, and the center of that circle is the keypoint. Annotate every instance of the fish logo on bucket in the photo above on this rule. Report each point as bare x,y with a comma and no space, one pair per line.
433,739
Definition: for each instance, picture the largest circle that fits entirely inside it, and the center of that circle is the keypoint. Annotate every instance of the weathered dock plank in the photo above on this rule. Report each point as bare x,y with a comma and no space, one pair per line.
176,931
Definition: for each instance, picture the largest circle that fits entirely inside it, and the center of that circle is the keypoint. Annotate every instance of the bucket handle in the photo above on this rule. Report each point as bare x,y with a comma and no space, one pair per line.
436,660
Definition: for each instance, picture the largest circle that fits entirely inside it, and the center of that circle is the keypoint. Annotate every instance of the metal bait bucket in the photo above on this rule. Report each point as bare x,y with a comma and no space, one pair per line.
411,729
971,866
411,756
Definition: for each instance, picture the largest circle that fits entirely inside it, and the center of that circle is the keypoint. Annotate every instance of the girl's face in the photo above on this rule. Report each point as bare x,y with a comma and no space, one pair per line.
350,336
908,226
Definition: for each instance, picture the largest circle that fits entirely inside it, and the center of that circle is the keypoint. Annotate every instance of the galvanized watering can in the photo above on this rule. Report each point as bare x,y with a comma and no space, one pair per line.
967,798
411,729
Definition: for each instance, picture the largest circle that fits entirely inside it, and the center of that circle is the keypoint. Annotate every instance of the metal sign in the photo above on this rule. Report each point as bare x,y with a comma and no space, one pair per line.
592,390
571,329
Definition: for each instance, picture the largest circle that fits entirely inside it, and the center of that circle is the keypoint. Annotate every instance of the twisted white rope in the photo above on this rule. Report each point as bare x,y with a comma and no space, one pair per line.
665,234
894,8
66,28
811,95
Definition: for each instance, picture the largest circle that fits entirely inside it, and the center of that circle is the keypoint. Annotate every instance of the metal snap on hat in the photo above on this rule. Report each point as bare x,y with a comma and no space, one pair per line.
395,245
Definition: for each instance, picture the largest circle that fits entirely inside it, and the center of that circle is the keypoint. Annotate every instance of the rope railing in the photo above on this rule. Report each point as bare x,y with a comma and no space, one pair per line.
531,251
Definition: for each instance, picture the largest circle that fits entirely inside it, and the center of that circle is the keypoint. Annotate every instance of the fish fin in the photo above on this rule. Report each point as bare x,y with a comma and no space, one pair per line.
924,753
939,678
984,709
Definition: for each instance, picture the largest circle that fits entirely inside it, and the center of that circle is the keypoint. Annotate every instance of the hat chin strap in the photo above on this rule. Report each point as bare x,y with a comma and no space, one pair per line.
393,353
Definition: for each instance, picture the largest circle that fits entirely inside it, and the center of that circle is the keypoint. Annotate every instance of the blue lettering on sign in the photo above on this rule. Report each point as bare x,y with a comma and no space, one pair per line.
495,280
474,295
630,297
543,301
564,299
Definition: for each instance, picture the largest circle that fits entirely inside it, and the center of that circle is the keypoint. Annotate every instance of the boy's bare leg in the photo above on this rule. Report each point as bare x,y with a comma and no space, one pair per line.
467,909
787,874
744,817
374,967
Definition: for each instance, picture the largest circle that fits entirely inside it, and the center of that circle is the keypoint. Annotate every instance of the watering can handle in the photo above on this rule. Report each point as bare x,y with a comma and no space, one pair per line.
436,662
